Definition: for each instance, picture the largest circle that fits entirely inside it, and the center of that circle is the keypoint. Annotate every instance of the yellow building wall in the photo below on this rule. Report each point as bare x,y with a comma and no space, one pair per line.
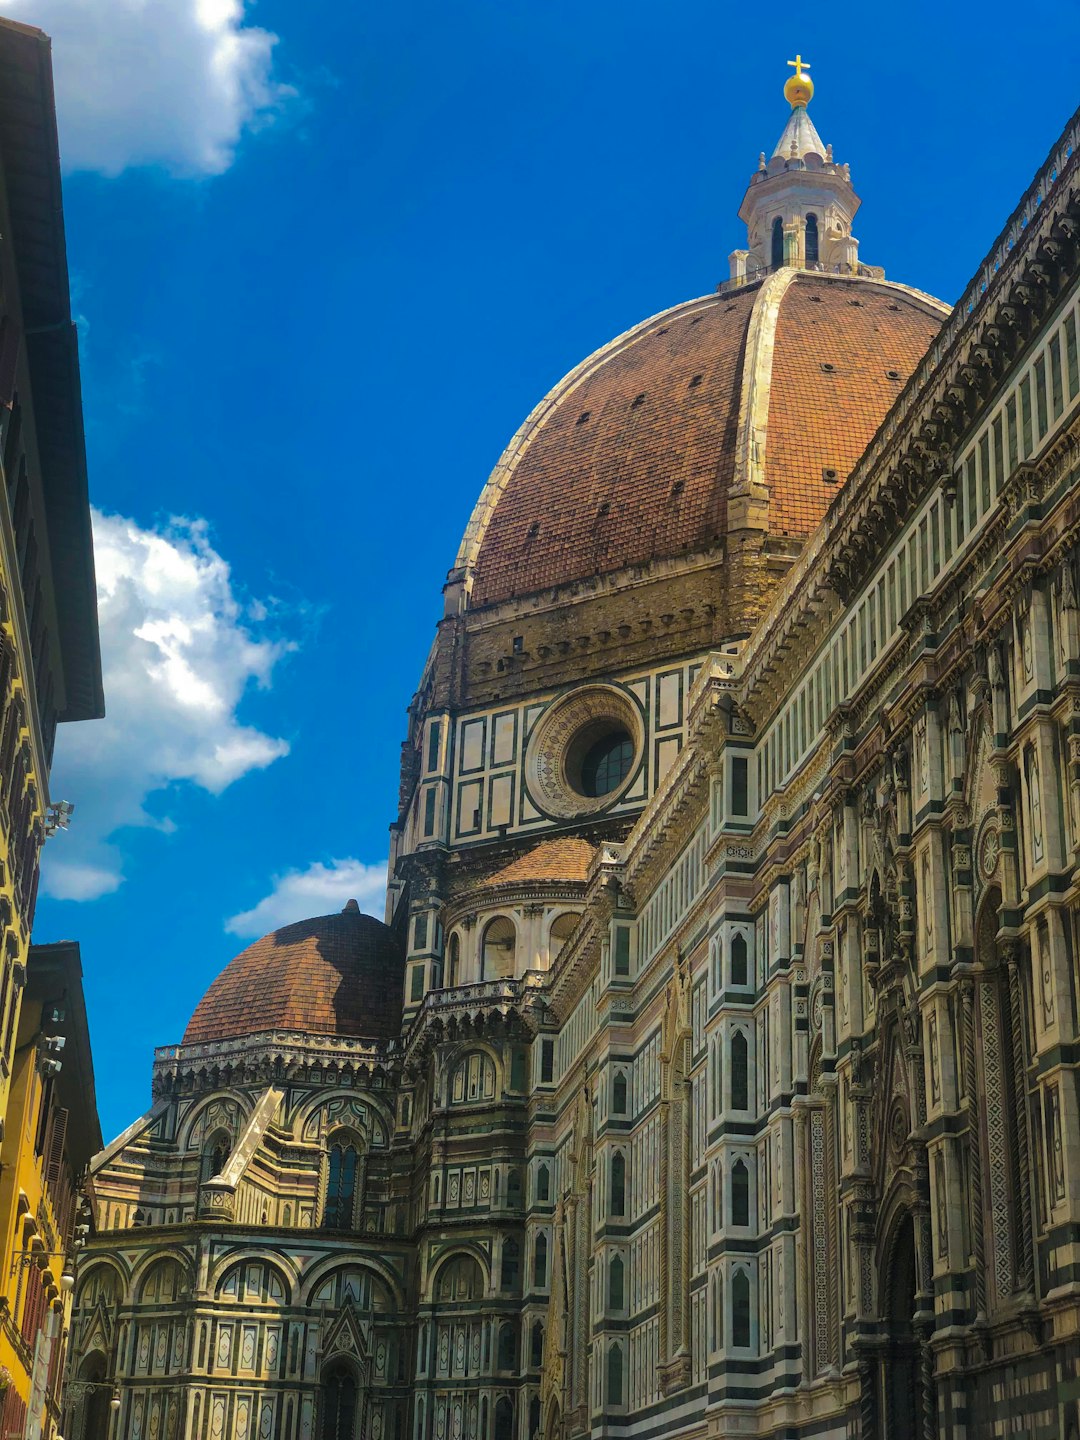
28,1223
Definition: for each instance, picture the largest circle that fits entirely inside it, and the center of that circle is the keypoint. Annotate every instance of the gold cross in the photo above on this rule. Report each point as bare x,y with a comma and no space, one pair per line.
798,67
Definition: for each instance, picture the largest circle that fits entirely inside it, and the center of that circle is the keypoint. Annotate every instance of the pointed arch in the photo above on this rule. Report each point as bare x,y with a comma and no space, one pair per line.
776,258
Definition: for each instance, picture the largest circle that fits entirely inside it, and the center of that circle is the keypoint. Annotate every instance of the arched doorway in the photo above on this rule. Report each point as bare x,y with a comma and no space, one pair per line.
338,1403
903,1390
94,1399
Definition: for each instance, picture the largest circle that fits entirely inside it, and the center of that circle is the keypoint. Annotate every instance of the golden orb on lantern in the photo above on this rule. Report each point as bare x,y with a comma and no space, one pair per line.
798,88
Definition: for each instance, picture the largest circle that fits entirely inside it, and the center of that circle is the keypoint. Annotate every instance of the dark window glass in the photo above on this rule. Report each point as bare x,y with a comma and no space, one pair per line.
607,764
618,1094
507,1347
429,811
622,950
614,1375
540,1262
417,991
999,452
1070,356
984,472
739,803
1056,396
543,1183
1040,394
740,1095
340,1188
420,931
517,1069
740,1194
618,1184
1010,412
504,1418
739,966
811,240
740,1309
547,1061
433,745
615,1283
338,1406
777,243
1025,414
513,1189
536,1349
511,1266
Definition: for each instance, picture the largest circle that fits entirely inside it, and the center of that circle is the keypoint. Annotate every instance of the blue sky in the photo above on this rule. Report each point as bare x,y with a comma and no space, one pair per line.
320,280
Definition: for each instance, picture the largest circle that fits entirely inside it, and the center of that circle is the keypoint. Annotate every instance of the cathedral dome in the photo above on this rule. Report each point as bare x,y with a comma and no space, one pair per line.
633,457
334,975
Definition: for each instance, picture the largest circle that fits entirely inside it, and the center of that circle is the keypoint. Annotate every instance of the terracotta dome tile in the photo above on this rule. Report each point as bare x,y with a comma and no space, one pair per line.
334,975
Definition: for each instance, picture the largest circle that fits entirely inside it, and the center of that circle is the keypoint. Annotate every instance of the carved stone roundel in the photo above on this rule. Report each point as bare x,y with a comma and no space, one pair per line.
988,852
561,733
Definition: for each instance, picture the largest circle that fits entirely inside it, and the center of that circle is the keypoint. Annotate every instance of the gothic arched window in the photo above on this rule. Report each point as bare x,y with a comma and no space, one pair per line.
338,1405
473,1079
739,967
216,1154
614,1374
454,959
740,1193
615,1283
504,1418
740,1309
460,1279
777,243
618,1184
618,1093
543,1183
536,1345
511,1266
811,240
343,1165
739,1059
497,949
507,1347
540,1262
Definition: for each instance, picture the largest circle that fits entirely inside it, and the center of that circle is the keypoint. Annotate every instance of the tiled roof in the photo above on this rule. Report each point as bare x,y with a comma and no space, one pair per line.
824,418
567,858
335,975
661,464
634,462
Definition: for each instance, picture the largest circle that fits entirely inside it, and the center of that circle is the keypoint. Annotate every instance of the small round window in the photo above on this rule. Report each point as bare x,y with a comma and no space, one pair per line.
584,752
607,764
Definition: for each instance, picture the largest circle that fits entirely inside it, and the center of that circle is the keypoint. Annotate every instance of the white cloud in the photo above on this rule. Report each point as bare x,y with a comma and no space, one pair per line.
179,651
318,890
172,83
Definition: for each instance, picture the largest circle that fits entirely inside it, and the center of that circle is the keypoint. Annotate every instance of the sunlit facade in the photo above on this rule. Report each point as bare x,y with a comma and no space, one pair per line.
715,1070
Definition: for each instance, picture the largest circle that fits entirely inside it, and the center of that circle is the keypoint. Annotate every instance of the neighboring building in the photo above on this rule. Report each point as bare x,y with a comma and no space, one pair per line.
52,1133
50,663
733,898
50,671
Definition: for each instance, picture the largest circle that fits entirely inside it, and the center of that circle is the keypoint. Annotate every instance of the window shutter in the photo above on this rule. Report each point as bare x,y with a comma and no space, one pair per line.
55,1162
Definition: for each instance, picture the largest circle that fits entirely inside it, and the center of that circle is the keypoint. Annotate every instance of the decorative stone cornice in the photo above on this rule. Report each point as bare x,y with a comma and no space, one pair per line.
275,1057
490,1008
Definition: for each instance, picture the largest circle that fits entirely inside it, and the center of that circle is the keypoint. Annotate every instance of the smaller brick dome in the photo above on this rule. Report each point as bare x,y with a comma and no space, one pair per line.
334,975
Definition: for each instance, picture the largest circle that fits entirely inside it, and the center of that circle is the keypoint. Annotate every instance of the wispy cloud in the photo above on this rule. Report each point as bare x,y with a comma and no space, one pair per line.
318,890
169,83
180,650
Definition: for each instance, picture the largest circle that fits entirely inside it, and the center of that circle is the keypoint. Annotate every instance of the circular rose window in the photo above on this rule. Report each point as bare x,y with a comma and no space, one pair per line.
584,752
